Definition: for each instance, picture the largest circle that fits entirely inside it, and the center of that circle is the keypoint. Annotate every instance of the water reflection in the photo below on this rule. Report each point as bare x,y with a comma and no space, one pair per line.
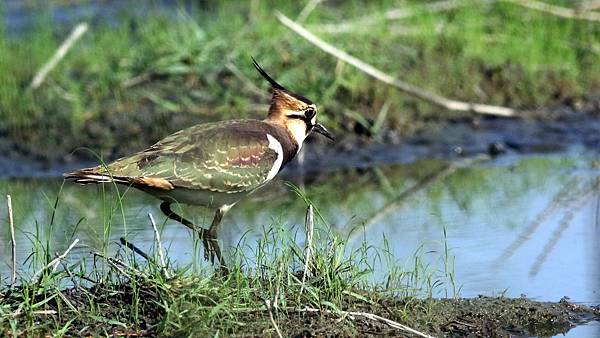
516,225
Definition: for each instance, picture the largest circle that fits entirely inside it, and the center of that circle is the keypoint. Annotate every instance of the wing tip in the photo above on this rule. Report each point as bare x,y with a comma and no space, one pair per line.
88,175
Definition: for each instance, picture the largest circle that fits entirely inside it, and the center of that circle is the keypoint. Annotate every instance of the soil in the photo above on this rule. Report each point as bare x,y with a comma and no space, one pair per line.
445,139
476,317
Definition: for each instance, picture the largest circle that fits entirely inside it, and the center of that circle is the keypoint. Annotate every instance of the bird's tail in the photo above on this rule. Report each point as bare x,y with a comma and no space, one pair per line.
93,175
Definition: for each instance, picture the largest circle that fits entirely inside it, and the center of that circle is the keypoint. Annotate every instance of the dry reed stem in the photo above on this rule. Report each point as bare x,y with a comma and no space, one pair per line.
386,78
56,261
272,318
13,243
60,53
19,311
117,264
309,225
161,257
588,6
387,321
563,12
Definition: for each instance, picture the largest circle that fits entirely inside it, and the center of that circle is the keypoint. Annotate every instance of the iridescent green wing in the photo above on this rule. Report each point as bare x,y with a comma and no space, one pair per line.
223,156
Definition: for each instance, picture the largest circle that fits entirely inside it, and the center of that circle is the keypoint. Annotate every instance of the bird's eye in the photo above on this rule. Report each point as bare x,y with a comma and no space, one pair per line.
310,113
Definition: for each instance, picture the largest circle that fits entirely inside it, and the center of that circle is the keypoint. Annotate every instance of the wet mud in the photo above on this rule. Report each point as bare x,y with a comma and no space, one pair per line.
477,317
448,139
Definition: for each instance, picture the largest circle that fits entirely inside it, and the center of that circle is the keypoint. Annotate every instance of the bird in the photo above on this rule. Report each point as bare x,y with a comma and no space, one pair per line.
215,164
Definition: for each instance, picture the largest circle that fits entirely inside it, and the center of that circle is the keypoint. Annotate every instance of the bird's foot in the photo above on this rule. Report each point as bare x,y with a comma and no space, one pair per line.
212,249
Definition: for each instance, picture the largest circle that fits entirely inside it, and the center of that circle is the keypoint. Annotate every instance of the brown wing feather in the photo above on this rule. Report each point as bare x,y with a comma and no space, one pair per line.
226,157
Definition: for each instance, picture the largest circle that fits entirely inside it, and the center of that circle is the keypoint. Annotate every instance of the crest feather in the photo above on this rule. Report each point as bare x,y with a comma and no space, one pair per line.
264,74
276,86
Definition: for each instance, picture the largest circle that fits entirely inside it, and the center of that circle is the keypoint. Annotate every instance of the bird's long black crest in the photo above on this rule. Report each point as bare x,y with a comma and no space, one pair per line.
264,74
276,85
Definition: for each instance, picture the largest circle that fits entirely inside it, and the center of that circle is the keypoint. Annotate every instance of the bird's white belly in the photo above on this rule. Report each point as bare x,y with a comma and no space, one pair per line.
199,197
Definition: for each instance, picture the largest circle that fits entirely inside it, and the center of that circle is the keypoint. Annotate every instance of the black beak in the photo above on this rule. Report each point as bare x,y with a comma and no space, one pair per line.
323,131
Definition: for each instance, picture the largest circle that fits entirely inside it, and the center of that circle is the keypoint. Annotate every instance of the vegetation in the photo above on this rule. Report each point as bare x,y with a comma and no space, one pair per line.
332,292
128,83
102,293
102,289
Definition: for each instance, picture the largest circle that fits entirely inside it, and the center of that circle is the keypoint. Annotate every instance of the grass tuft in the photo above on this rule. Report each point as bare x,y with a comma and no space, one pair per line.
124,294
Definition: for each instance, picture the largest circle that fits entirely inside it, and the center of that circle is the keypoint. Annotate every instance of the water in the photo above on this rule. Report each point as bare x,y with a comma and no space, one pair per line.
516,225
21,15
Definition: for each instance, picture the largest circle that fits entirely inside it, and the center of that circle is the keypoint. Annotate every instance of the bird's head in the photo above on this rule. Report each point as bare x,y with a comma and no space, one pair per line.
296,113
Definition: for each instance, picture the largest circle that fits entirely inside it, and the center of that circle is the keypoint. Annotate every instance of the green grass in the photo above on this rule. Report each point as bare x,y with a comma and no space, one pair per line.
100,295
155,75
92,295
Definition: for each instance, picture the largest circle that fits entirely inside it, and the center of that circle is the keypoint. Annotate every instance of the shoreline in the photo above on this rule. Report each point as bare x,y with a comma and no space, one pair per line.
441,140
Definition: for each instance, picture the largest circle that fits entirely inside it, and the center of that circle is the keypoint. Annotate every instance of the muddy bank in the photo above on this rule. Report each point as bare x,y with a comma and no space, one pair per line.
448,139
461,138
497,317
478,317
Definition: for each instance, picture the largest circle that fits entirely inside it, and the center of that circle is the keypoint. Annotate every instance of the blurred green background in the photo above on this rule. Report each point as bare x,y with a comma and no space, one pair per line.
145,69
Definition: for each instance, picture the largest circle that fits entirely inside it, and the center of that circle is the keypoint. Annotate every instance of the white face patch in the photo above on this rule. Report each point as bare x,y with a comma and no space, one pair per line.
276,146
297,126
298,130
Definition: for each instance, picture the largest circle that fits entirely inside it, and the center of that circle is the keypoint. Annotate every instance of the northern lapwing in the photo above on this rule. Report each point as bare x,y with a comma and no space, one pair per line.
215,164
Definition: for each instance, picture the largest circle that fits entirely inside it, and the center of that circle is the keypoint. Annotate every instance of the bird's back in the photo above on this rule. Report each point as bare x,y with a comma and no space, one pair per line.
229,157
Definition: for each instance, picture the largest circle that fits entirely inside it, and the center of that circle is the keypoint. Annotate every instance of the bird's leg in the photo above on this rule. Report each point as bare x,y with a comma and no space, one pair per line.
212,237
165,207
209,238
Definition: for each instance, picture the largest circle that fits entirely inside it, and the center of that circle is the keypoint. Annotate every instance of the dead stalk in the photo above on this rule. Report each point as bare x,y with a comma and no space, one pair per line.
563,12
588,6
308,246
118,265
134,248
44,312
272,318
363,24
389,322
13,243
386,78
56,261
161,257
60,53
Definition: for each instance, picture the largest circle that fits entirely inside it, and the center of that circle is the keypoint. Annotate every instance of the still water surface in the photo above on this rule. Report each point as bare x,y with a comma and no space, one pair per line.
513,225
